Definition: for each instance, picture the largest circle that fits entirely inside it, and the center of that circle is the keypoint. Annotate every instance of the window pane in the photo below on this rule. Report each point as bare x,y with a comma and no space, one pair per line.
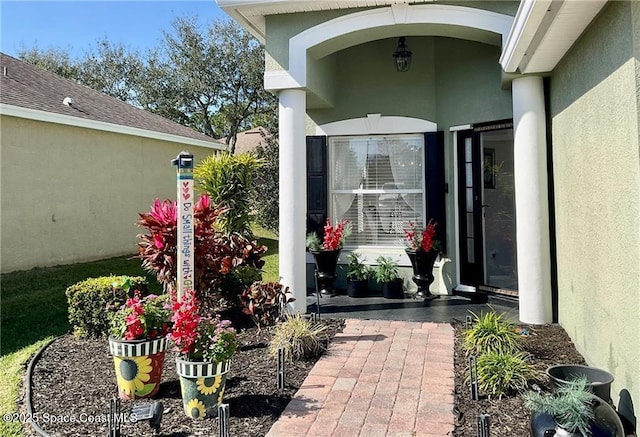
376,182
471,247
468,174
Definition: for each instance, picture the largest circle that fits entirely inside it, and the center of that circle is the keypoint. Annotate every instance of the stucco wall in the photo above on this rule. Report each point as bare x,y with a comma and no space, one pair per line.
594,110
280,28
72,194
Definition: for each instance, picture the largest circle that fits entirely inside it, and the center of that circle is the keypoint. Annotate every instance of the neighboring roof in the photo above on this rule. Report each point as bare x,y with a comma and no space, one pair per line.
251,13
31,92
248,140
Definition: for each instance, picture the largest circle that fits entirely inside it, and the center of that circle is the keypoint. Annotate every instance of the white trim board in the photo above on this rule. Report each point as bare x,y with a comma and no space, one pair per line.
377,124
51,117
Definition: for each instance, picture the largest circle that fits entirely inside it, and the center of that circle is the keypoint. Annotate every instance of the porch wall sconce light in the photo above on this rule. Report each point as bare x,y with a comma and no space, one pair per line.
402,56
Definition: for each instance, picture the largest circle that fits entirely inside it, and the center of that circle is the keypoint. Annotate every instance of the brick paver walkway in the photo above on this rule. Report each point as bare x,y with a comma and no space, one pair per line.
379,378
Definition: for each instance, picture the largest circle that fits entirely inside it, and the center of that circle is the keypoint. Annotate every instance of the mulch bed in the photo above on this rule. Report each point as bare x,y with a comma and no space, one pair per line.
74,380
548,345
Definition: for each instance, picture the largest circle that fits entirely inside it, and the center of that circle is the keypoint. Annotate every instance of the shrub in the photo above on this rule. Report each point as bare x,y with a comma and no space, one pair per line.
266,208
89,300
229,181
491,333
265,301
570,405
500,373
299,337
218,257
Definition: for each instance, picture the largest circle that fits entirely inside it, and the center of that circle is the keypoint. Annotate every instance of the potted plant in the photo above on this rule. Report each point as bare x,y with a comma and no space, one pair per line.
388,275
137,341
572,411
422,251
358,274
205,345
326,253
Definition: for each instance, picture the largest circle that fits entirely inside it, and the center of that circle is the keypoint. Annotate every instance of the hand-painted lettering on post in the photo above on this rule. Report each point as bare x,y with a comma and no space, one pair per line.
184,162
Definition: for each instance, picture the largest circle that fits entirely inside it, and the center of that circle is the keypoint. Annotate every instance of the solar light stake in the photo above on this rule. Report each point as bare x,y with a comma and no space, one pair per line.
223,420
315,276
467,322
186,266
473,374
483,425
151,412
114,417
280,370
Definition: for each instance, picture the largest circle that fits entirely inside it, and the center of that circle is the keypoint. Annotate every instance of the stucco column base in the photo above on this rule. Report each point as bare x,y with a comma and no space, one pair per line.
293,195
532,201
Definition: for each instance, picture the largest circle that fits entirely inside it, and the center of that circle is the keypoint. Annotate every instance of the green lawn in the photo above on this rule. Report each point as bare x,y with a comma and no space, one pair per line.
34,310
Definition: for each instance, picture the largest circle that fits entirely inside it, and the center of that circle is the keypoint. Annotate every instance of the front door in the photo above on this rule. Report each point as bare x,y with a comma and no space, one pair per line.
486,209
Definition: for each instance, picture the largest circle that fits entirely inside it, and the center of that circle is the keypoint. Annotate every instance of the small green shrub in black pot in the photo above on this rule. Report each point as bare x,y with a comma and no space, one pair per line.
358,274
388,275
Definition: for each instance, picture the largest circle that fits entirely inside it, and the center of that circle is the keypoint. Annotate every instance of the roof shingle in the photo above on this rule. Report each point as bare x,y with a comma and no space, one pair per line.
27,86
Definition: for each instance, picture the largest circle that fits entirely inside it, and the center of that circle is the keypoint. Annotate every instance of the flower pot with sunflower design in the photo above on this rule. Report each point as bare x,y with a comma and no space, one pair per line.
202,384
138,365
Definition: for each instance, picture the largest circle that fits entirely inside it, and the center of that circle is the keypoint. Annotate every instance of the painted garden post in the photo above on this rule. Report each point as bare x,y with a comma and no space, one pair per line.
186,266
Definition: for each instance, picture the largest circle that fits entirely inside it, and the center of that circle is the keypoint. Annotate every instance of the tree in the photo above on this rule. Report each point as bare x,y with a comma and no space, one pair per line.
245,98
55,60
109,68
211,80
113,70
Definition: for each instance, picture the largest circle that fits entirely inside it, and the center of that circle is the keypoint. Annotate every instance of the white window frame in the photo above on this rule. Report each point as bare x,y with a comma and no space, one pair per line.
330,191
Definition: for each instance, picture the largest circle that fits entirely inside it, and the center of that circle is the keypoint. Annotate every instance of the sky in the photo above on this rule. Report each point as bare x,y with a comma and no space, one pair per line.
76,26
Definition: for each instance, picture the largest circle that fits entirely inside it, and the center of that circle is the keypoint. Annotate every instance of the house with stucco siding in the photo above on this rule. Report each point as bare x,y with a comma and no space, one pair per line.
77,168
514,125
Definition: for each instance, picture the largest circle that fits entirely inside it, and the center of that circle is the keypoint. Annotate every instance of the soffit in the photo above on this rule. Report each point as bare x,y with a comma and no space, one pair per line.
251,13
544,31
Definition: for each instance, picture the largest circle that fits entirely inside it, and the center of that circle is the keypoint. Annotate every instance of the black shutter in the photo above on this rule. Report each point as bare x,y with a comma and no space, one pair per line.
316,184
436,185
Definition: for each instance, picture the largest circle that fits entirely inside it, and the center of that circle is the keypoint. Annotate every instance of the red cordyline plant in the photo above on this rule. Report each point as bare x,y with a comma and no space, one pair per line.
200,337
422,240
215,254
334,237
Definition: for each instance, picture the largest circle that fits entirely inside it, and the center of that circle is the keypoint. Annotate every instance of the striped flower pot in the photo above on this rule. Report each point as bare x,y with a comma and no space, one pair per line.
138,365
202,385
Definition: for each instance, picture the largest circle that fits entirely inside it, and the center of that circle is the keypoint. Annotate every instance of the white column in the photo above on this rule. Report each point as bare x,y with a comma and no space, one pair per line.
293,195
532,200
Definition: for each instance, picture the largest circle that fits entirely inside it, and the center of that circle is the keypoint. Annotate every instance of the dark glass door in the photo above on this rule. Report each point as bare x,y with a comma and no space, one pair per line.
470,208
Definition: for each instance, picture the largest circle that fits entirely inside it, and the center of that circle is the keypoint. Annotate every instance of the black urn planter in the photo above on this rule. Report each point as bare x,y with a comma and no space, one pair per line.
598,380
393,289
326,262
606,423
422,263
357,287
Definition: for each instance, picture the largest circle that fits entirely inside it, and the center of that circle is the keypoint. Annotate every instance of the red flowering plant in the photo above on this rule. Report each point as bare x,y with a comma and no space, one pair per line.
140,318
217,255
334,236
422,239
200,337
